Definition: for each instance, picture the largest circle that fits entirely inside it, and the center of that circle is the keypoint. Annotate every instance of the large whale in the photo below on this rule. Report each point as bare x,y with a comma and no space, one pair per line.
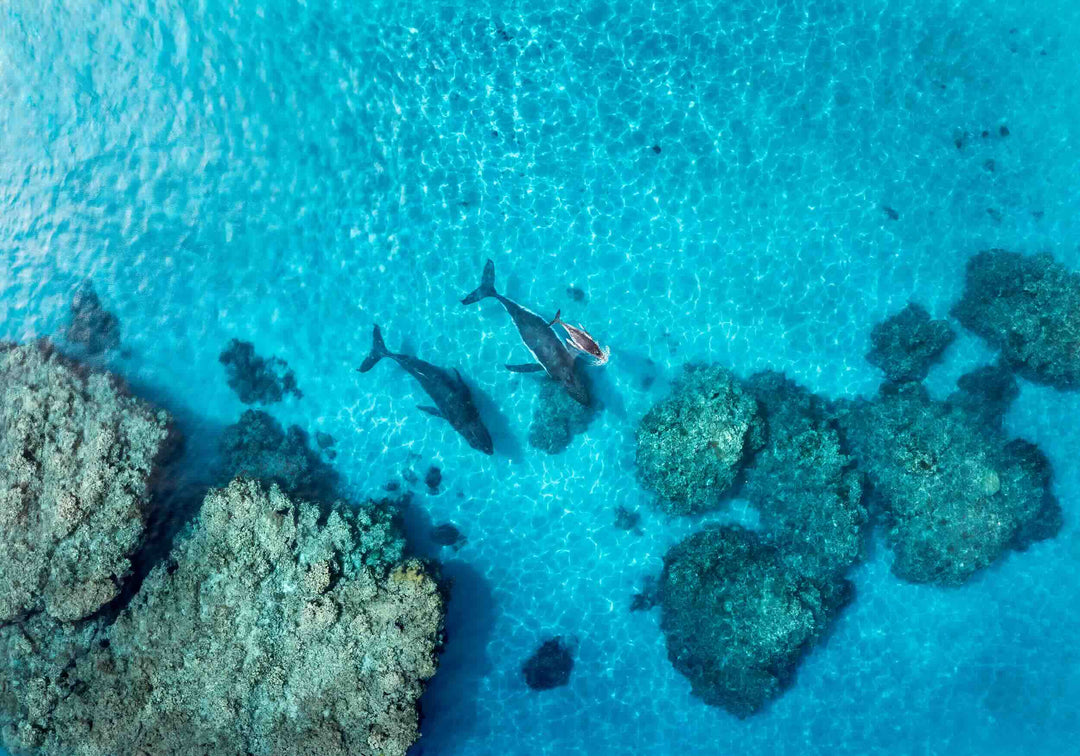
548,349
452,398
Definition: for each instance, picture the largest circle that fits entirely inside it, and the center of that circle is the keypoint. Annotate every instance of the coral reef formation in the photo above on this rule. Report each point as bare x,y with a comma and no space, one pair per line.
76,458
957,494
270,630
908,343
1027,306
557,418
258,447
92,326
804,486
986,394
737,619
274,625
256,379
692,445
550,665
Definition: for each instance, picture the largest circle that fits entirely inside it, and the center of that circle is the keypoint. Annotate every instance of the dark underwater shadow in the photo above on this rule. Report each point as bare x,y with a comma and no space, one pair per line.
448,706
177,488
502,435
645,371
448,711
605,394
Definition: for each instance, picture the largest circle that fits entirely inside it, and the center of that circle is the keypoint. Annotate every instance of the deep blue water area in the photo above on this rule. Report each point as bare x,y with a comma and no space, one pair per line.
754,183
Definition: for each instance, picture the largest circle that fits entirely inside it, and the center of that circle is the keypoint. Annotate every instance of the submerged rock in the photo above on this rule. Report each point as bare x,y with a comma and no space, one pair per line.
626,519
737,620
77,465
92,326
448,534
908,343
258,447
957,494
550,666
256,379
557,418
268,631
1028,307
433,479
804,486
77,455
692,445
38,671
986,394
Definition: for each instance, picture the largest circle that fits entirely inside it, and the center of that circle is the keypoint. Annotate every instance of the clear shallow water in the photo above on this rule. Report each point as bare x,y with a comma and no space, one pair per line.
290,173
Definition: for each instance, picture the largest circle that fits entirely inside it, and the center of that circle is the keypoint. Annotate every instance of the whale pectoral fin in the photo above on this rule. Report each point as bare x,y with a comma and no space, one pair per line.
554,320
531,367
433,411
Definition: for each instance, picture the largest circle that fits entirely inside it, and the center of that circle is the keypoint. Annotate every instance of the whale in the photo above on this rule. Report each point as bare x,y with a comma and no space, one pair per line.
547,348
448,391
579,339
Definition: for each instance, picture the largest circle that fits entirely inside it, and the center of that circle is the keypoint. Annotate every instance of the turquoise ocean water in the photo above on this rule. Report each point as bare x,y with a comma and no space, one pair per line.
714,177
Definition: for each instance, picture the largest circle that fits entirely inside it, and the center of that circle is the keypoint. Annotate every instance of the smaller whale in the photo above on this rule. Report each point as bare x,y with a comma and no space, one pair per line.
546,346
580,340
453,400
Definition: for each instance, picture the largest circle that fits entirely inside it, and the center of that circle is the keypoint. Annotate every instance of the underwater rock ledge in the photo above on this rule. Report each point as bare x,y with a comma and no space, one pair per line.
77,453
692,445
737,619
275,625
956,493
1027,306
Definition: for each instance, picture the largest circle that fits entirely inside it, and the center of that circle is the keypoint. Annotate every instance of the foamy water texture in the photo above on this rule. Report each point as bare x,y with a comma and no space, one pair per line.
752,183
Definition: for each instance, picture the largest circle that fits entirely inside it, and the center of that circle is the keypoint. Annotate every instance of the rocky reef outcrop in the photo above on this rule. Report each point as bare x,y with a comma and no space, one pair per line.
692,445
956,493
737,618
905,345
1028,307
274,625
77,453
267,631
805,487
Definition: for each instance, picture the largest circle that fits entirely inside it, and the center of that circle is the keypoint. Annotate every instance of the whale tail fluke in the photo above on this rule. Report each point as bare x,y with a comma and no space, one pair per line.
556,319
378,351
487,286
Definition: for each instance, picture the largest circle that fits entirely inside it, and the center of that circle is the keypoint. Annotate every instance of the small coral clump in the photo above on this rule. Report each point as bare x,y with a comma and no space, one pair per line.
257,446
1027,306
737,619
692,445
986,394
908,343
92,326
550,665
257,379
557,418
